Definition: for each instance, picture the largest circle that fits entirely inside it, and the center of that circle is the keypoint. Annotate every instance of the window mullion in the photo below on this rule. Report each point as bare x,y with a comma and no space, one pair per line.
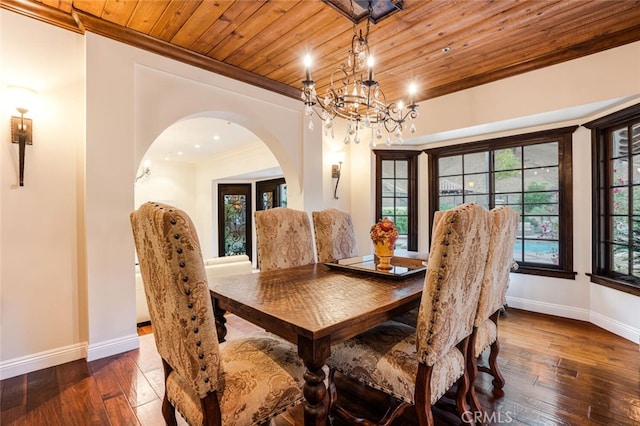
630,200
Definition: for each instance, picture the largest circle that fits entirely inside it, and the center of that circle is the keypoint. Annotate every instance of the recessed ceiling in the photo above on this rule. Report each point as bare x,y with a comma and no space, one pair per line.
195,139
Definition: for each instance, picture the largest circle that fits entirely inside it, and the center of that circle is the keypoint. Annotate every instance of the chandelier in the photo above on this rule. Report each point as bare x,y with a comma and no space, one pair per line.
355,96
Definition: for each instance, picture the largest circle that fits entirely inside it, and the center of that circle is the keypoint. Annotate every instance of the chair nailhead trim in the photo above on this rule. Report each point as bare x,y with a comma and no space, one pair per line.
187,292
436,297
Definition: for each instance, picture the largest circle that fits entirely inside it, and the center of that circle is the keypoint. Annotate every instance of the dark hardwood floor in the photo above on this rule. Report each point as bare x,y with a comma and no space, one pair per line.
557,371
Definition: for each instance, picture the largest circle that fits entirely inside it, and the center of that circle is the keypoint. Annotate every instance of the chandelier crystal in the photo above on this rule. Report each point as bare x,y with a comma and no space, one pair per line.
355,96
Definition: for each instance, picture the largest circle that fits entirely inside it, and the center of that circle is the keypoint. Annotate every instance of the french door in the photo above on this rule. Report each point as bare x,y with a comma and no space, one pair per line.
234,219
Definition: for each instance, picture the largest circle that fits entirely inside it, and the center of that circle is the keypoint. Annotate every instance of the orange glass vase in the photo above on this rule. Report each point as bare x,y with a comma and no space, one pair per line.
384,251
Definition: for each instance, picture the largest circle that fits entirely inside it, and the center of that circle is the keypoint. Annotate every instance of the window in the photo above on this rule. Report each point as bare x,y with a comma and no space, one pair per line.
397,193
616,170
532,174
271,193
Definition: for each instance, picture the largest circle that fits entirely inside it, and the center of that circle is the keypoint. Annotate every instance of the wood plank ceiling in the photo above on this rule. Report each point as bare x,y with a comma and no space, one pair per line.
441,45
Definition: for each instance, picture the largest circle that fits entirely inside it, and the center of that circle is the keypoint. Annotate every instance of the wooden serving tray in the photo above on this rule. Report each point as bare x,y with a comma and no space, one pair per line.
402,266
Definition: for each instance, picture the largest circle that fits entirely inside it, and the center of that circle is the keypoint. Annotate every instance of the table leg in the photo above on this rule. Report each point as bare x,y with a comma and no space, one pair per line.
218,314
314,353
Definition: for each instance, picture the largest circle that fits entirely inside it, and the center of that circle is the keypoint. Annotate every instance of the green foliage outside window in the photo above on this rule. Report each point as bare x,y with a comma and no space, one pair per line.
506,160
534,200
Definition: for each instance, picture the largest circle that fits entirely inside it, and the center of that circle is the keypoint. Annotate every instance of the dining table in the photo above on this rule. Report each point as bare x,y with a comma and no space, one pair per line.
315,306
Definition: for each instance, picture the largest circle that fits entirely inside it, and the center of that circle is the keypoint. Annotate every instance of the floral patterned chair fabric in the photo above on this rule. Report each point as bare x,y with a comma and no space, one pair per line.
241,382
284,238
418,365
411,317
492,297
334,234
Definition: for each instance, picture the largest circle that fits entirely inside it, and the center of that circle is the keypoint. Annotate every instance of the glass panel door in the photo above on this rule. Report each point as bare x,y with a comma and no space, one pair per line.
234,219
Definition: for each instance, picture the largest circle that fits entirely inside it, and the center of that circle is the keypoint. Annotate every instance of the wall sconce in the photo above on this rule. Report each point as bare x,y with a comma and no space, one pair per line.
335,173
145,171
21,128
336,169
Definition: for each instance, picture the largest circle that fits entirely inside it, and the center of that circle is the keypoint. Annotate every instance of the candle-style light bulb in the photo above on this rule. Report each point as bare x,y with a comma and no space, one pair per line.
307,65
412,91
370,65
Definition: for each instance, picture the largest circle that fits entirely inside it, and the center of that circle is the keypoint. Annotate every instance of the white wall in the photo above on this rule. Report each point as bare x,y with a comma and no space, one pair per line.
42,269
172,183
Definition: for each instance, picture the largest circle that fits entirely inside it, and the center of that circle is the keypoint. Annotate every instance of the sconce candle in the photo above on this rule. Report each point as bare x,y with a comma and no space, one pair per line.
370,64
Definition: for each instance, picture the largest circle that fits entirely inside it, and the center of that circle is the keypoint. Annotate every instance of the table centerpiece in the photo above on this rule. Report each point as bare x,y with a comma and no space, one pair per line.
384,235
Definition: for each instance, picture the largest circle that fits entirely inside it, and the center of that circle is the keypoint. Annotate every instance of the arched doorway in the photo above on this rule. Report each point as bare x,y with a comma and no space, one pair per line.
186,165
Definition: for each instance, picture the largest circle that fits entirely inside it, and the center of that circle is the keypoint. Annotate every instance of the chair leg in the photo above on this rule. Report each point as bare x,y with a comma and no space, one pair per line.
472,370
332,391
498,380
168,411
423,395
395,409
463,386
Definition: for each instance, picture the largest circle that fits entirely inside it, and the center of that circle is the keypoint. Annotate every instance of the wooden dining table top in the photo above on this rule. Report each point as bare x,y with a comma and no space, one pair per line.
314,301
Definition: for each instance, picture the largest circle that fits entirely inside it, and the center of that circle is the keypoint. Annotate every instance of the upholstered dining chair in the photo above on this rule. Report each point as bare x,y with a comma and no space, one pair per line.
284,238
492,298
411,317
238,382
419,365
334,235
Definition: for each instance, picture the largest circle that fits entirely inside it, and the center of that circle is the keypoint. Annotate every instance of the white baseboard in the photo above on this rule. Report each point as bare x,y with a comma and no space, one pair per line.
27,364
23,365
609,324
616,327
549,308
112,347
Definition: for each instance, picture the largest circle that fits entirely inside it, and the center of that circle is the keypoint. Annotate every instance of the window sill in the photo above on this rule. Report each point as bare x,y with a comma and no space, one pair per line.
552,273
615,284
